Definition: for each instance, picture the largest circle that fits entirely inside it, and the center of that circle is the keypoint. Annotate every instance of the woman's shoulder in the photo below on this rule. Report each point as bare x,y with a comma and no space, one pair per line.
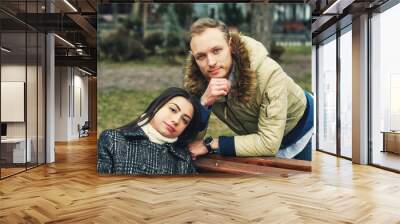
132,131
109,133
122,134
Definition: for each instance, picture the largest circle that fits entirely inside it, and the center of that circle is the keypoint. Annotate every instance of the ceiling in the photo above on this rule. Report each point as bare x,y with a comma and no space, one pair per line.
329,15
74,22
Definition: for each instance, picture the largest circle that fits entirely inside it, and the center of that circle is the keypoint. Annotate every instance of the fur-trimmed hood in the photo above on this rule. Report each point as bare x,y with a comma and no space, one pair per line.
246,61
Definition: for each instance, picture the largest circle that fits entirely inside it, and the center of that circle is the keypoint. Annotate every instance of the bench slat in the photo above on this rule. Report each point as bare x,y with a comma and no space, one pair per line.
223,166
291,164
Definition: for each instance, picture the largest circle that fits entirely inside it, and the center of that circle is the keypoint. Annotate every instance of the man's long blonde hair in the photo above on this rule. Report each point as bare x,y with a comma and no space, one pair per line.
200,25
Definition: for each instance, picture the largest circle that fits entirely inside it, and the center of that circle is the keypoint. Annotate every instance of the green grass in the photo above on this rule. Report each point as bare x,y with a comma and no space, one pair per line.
302,49
155,61
118,107
304,81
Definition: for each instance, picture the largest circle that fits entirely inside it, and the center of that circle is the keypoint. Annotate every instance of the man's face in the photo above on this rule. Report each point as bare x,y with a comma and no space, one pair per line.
212,53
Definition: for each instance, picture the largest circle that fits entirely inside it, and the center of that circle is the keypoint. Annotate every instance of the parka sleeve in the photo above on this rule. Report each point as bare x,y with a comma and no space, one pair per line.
272,115
204,119
104,152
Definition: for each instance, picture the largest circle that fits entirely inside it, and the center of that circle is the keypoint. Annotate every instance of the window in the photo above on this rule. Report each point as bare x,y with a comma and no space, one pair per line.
22,68
327,96
385,85
346,92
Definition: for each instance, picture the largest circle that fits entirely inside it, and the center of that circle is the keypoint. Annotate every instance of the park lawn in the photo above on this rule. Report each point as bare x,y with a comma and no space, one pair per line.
148,61
298,50
304,82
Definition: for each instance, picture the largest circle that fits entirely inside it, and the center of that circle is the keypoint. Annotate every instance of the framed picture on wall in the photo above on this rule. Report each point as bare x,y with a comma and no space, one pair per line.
12,101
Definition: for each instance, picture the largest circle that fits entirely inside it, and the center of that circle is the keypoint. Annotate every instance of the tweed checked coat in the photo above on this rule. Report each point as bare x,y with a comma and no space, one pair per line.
129,151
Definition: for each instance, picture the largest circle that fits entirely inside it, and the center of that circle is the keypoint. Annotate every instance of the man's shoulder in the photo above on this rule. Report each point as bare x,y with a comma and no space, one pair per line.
253,44
256,51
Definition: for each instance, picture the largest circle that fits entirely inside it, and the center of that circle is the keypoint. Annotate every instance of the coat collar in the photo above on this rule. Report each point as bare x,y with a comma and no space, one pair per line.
245,77
133,132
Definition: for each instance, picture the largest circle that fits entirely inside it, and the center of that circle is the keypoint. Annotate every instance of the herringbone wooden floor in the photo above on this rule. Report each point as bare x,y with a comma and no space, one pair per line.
70,191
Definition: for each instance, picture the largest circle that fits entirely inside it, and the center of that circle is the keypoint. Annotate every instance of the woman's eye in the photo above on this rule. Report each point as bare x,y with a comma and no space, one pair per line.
172,109
185,121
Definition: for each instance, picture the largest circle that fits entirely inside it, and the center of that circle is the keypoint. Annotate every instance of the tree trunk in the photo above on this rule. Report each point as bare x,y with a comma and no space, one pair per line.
144,18
135,10
261,23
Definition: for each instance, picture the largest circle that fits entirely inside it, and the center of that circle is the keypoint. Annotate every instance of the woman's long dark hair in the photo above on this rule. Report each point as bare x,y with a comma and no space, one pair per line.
190,131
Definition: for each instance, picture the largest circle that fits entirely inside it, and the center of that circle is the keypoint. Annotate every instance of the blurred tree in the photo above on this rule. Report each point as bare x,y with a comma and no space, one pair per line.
119,46
139,14
153,41
144,18
133,27
232,14
135,10
171,26
173,32
261,23
162,9
184,13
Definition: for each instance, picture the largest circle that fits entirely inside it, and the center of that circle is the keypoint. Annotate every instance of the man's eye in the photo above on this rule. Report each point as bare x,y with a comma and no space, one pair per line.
217,51
201,57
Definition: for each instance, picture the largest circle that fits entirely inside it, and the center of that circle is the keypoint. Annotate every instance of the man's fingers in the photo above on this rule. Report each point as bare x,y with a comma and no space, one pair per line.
225,86
222,88
219,81
217,87
219,93
220,85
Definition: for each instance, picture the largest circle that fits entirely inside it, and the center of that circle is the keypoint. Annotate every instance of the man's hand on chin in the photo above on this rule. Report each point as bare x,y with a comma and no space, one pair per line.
216,87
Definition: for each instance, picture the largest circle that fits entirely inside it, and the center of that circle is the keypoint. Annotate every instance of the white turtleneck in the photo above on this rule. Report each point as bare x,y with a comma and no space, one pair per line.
154,135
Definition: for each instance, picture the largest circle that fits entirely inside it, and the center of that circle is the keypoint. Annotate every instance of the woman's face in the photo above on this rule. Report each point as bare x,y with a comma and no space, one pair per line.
172,118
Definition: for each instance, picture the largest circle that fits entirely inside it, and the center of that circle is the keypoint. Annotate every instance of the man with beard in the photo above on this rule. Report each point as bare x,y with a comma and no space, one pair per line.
235,78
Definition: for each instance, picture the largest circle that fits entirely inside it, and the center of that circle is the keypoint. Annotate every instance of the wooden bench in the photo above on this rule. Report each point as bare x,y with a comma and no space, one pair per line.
252,165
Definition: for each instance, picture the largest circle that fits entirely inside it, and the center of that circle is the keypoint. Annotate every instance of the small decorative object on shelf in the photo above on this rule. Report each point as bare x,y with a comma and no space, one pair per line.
391,141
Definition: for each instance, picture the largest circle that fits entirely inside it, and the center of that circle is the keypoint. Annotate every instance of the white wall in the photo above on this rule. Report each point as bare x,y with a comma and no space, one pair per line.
314,90
70,84
61,103
13,73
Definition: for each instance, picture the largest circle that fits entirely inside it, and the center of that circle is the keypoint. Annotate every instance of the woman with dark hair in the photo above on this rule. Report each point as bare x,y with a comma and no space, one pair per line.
156,142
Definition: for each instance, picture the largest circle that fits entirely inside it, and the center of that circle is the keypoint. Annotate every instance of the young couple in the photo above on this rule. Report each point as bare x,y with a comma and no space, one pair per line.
232,76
